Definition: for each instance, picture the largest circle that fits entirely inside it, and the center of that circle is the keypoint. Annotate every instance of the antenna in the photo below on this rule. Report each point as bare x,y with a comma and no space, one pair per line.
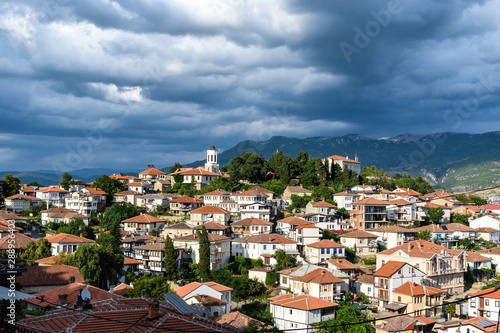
85,295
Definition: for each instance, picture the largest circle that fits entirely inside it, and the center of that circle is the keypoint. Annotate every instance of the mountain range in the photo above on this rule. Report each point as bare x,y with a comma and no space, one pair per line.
456,161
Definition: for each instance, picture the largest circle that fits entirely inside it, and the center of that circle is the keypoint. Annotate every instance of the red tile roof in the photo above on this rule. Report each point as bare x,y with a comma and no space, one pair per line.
19,241
198,172
366,278
95,190
342,264
252,221
302,302
325,244
418,248
238,320
371,201
152,171
297,189
415,289
144,218
486,230
122,289
67,238
128,192
207,300
52,189
184,290
211,237
211,226
320,275
137,184
358,234
321,203
186,199
389,269
340,158
265,239
217,193
294,220
210,209
49,275
22,197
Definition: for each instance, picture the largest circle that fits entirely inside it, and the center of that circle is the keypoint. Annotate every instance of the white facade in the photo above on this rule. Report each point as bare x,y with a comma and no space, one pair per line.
485,306
220,251
82,203
212,164
245,247
203,289
486,221
52,196
257,210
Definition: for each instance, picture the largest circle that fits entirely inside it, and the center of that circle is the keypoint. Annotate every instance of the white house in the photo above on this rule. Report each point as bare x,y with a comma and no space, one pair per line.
152,174
476,324
138,187
52,195
460,231
61,215
346,199
257,209
151,257
485,303
251,226
254,247
216,197
365,283
364,242
143,223
353,165
83,203
328,222
250,196
299,312
220,249
212,289
493,254
66,243
486,221
320,207
21,202
488,234
323,250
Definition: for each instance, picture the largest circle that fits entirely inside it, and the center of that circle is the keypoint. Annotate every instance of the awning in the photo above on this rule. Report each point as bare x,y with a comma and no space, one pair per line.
17,295
360,306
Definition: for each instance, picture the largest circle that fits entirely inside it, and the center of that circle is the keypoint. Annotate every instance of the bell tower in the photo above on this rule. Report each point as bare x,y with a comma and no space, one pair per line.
212,164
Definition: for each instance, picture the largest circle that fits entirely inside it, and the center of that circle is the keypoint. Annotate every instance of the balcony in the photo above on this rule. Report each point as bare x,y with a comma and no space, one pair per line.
215,261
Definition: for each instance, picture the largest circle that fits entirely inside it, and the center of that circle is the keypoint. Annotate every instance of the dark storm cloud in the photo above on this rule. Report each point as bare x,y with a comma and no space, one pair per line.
126,83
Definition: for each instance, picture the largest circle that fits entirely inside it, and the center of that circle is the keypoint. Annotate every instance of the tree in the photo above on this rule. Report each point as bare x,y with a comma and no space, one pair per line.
468,276
321,172
149,286
435,215
344,213
247,166
283,260
272,278
170,262
350,254
281,165
118,213
76,227
424,235
204,254
451,310
309,177
109,185
11,185
345,317
176,166
471,199
66,181
461,218
36,250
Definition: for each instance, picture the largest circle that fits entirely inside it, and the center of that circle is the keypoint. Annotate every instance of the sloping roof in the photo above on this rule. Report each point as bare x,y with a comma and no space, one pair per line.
494,250
262,190
122,289
211,226
265,239
143,239
160,246
340,158
302,302
143,218
294,220
250,193
51,296
49,275
297,189
95,190
152,171
130,261
390,228
186,199
457,227
307,226
324,244
218,192
320,275
137,184
486,230
432,228
366,278
415,289
210,209
181,225
22,197
371,201
342,264
208,300
197,172
417,248
52,189
20,241
358,233
389,269
184,290
237,320
194,237
67,238
4,214
473,322
252,221
321,203
127,192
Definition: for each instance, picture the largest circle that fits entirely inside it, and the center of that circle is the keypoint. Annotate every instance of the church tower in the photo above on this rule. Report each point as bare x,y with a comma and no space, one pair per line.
212,164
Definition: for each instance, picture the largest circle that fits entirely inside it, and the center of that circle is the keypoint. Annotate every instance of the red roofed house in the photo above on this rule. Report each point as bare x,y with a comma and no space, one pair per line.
214,198
323,250
478,324
346,199
444,268
220,249
420,300
257,209
257,246
488,234
52,195
41,278
353,165
485,303
251,226
318,283
183,205
66,243
211,289
152,174
199,177
391,276
369,213
388,323
84,202
18,242
364,242
401,211
143,223
204,214
21,202
321,207
299,312
62,215
138,187
294,190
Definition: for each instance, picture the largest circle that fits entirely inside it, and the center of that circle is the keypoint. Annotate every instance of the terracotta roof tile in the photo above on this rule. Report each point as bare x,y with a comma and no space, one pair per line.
358,234
194,237
211,226
342,263
366,278
67,238
20,241
389,269
321,203
186,199
181,225
324,244
320,275
265,239
49,275
152,171
252,221
340,158
302,302
237,320
144,218
415,289
210,209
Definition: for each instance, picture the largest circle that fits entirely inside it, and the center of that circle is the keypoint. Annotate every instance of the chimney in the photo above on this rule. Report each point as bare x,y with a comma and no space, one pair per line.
300,185
71,279
153,310
81,235
63,299
247,321
41,298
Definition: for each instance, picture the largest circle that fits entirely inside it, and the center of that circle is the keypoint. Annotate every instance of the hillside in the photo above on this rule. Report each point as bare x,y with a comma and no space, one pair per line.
457,161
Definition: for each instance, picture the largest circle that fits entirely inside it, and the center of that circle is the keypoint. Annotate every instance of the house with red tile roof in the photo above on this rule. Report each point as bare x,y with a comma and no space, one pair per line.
299,312
391,276
178,230
152,175
214,198
204,214
478,324
256,209
421,300
294,190
127,196
123,314
263,246
52,195
143,223
66,243
100,194
323,250
365,283
488,234
41,278
486,221
84,203
392,235
62,214
346,199
364,242
122,289
18,242
211,289
485,303
238,320
342,162
199,176
183,205
125,179
320,283
220,249
443,267
129,243
251,226
369,213
401,211
21,202
151,257
387,322
139,187
320,207
213,228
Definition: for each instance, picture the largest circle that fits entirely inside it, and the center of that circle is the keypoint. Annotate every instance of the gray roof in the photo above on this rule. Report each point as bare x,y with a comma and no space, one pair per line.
177,302
307,268
178,226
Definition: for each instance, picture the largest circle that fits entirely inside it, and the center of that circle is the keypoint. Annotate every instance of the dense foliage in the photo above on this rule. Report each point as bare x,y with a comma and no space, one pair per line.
109,185
149,285
35,251
117,213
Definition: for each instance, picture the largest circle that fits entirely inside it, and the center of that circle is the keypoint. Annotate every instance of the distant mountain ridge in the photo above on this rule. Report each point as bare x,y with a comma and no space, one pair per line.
456,161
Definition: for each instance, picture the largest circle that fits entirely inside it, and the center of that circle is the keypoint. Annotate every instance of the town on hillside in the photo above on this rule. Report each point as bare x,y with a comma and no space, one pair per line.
286,244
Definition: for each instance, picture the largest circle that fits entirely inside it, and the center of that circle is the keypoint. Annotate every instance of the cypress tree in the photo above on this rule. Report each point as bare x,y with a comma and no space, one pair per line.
169,259
204,254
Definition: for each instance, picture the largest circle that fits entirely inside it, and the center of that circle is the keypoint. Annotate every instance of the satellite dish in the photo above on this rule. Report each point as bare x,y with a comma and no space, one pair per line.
121,225
85,295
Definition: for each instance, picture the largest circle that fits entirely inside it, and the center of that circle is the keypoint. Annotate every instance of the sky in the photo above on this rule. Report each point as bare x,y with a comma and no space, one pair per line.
123,84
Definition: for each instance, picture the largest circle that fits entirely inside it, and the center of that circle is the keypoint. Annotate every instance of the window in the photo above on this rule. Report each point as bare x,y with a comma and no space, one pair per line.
487,302
290,311
265,247
369,289
399,299
472,304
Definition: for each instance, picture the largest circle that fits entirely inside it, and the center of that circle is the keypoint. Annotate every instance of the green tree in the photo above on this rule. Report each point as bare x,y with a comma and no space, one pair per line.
247,166
170,262
321,172
76,227
451,310
272,278
11,185
350,254
345,317
176,166
117,213
471,199
468,276
461,218
281,165
344,213
309,177
109,185
66,181
203,253
435,215
149,286
424,235
283,260
36,250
